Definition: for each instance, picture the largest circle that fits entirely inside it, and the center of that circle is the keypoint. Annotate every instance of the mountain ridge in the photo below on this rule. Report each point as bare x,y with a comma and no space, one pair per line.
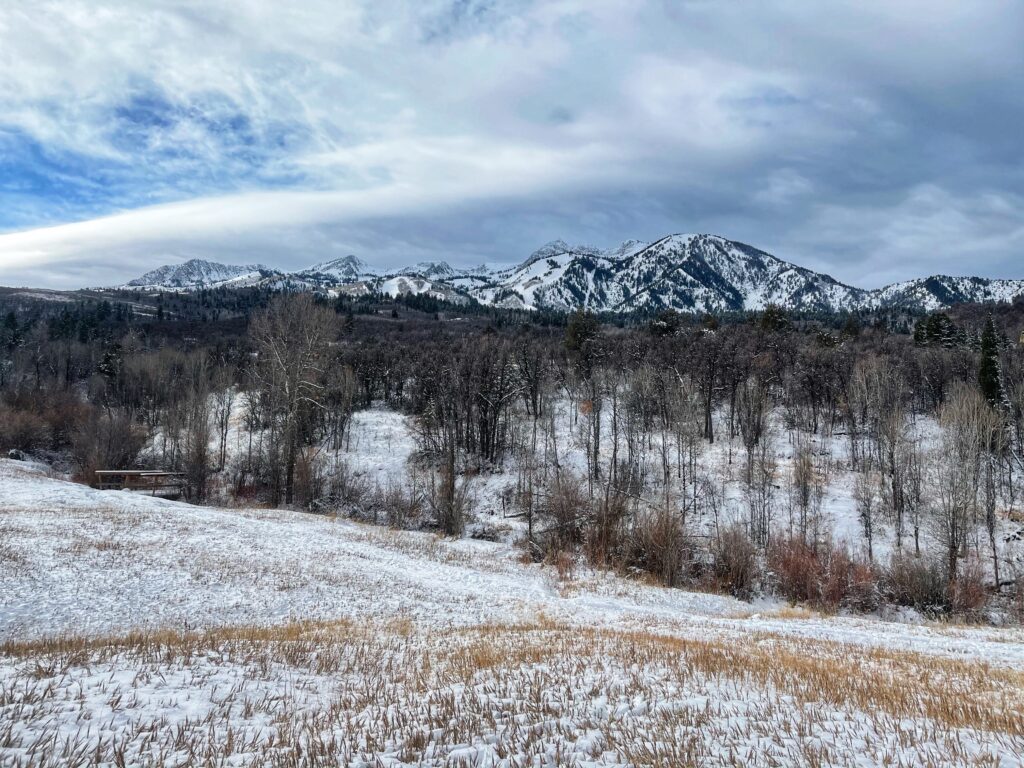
685,272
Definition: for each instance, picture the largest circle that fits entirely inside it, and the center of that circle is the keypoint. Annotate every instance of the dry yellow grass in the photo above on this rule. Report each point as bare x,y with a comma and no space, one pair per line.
538,692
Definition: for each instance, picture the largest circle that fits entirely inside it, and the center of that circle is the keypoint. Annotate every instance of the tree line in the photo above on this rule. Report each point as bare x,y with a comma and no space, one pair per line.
688,448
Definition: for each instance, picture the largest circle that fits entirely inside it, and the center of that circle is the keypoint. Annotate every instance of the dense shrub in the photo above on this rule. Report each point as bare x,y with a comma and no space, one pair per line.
401,506
924,585
108,440
346,490
22,430
606,535
563,514
918,583
735,562
310,480
823,575
40,421
659,545
968,592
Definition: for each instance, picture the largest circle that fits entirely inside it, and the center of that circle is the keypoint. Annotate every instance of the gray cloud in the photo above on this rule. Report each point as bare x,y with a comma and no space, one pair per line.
876,141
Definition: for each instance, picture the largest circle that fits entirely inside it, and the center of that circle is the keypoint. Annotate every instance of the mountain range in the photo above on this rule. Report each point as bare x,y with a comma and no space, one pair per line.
689,273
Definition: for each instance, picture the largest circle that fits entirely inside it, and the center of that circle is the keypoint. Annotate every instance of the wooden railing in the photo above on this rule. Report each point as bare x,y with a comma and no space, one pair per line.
141,480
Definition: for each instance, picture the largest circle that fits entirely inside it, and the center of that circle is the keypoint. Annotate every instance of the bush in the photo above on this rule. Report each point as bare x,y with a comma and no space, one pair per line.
344,488
659,545
824,576
310,481
605,536
917,583
109,440
22,430
924,585
564,514
403,505
968,593
735,563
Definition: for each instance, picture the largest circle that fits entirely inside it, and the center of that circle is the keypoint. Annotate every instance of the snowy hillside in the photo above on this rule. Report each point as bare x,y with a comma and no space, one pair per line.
688,273
194,635
136,630
941,291
713,274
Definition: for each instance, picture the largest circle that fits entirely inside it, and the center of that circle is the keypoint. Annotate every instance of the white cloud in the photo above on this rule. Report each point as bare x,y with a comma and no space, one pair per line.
287,130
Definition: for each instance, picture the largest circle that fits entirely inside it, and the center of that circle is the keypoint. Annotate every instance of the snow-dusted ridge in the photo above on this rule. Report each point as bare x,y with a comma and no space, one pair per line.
195,274
685,272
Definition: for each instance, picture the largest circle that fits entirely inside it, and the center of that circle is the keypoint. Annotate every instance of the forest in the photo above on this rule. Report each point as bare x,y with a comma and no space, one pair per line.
857,463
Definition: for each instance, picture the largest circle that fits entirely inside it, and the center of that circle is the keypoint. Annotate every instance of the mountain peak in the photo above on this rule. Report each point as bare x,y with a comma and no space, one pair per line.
548,250
198,273
684,271
344,268
557,248
433,269
625,250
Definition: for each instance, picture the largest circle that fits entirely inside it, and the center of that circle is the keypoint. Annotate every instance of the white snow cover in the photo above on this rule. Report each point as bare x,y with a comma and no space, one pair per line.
433,651
75,561
79,560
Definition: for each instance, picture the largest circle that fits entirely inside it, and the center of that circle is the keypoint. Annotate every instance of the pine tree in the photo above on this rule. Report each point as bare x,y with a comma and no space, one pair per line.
582,327
110,364
774,319
990,377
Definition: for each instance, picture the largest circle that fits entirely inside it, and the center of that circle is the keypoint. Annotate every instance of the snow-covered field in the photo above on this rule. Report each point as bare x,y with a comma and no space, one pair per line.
274,637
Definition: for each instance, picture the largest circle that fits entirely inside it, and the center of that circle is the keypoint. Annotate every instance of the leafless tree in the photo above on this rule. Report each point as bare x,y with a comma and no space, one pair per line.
958,471
292,338
865,496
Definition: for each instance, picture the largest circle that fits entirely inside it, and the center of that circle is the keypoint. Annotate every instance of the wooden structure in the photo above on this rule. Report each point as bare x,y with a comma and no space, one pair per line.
167,483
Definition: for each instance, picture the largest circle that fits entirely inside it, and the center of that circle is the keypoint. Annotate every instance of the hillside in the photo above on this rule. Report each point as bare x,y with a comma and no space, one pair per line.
191,633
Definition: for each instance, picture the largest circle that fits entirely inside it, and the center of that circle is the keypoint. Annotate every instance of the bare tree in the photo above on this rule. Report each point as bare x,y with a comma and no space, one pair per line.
752,413
958,470
806,490
865,495
224,395
292,337
994,445
760,491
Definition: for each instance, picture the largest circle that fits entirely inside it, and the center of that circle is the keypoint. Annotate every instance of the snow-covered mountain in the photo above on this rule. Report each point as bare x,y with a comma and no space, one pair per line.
347,269
439,270
938,291
690,273
685,272
197,273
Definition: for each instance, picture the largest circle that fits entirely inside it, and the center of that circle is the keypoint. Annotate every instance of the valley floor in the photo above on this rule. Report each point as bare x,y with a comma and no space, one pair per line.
140,631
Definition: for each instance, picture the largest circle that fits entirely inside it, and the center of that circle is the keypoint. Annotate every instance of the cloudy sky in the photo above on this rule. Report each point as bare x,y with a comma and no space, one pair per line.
871,139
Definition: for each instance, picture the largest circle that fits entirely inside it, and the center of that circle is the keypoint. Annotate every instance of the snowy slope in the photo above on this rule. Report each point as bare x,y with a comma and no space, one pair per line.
345,644
348,269
430,269
939,291
92,562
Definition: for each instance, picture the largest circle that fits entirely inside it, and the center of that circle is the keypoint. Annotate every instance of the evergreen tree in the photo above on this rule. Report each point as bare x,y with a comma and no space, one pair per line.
10,334
109,365
774,319
990,377
666,323
583,326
